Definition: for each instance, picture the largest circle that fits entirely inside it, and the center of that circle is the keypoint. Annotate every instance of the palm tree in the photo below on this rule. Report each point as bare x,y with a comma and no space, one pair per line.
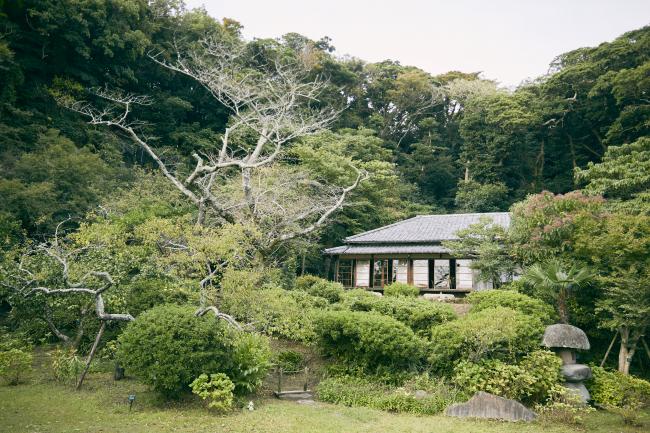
557,281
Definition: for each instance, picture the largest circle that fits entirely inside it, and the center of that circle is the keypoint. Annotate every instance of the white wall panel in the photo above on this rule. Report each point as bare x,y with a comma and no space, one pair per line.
362,274
421,273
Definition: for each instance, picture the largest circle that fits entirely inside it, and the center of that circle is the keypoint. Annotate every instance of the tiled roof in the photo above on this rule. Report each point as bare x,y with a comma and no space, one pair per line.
426,228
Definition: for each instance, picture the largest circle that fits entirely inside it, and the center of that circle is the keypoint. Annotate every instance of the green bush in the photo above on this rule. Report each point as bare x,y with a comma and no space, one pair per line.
290,360
360,392
304,282
418,314
320,287
615,389
517,301
144,294
533,380
15,364
327,289
369,340
275,312
401,289
66,365
216,389
168,347
494,333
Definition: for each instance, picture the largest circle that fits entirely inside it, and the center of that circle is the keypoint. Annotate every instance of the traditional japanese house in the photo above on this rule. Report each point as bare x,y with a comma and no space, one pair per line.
410,251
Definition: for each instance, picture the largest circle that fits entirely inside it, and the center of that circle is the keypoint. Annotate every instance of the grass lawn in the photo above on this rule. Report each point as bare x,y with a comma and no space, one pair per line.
43,406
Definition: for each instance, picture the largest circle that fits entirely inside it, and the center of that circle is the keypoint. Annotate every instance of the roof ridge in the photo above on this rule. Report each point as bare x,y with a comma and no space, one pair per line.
464,214
381,228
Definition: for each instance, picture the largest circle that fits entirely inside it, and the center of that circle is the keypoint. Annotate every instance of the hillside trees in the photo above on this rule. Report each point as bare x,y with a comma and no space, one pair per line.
269,108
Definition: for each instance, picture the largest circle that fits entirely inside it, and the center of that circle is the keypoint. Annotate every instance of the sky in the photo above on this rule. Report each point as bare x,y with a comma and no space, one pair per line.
507,40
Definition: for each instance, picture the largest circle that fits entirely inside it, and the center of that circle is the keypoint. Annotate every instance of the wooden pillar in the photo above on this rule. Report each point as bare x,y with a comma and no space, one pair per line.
409,271
452,273
336,269
371,269
354,273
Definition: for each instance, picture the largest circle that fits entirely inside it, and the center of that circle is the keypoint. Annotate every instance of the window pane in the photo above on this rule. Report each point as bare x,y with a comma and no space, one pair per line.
380,273
400,271
441,274
345,273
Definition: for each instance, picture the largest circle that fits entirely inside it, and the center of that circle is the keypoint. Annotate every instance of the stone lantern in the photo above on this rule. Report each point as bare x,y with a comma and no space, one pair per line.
564,340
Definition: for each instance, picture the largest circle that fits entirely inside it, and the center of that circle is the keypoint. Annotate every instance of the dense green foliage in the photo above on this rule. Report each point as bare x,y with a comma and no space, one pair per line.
514,300
401,290
168,347
15,364
533,380
417,314
217,389
369,340
355,391
611,388
499,333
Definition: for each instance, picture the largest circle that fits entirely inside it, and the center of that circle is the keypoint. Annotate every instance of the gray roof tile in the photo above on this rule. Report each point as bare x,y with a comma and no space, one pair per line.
426,228
386,249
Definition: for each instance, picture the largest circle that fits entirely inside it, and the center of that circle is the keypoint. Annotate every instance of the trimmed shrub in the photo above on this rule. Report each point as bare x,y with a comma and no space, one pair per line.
401,289
275,312
369,340
494,333
517,301
15,364
304,282
532,381
144,294
418,314
315,286
615,389
216,389
360,392
168,347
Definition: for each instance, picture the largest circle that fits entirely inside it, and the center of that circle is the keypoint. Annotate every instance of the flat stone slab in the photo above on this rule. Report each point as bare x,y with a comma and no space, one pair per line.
295,396
490,406
565,336
576,372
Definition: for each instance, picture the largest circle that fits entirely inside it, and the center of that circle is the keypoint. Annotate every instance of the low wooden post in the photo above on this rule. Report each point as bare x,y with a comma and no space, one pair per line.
279,381
306,386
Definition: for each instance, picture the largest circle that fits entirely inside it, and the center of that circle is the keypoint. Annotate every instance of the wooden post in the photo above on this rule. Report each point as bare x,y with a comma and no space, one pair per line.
409,271
371,269
279,381
608,350
306,386
91,355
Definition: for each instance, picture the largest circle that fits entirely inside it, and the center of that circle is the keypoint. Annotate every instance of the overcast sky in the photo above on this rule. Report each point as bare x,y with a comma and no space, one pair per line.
508,40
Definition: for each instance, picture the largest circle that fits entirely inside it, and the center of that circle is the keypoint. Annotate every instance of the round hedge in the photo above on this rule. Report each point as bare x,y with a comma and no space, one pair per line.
517,301
369,340
418,314
494,333
401,290
168,347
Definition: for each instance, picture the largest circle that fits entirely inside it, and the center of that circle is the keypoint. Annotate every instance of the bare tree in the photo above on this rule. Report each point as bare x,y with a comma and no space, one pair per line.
93,283
275,105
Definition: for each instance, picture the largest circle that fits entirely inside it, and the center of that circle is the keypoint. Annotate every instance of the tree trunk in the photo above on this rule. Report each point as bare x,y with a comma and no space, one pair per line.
562,308
626,351
91,355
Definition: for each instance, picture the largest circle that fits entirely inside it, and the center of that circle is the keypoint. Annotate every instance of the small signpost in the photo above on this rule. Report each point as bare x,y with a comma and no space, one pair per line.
131,399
